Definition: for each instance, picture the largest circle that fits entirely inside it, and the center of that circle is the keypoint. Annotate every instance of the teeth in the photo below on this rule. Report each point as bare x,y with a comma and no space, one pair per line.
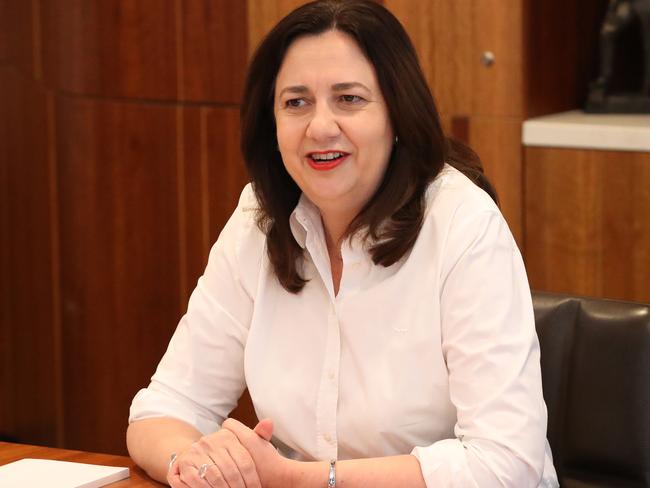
326,156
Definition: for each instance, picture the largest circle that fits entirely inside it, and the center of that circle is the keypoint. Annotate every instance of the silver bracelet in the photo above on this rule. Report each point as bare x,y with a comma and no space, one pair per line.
331,482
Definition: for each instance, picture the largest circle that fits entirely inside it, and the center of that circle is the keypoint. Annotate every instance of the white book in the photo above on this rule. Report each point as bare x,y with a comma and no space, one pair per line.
47,473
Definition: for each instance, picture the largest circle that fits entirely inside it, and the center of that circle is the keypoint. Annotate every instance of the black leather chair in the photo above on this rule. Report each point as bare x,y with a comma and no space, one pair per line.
596,379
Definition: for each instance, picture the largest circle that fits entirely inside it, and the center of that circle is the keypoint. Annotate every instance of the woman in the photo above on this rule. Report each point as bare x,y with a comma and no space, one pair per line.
370,296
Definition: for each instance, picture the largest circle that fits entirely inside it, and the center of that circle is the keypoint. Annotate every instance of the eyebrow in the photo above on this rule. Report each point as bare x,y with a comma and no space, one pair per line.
348,85
299,89
337,87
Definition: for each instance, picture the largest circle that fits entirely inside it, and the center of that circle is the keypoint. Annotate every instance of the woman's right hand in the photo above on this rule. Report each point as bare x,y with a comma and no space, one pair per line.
229,464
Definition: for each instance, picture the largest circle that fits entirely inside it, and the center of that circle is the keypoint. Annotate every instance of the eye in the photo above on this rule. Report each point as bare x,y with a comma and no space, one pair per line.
295,103
351,99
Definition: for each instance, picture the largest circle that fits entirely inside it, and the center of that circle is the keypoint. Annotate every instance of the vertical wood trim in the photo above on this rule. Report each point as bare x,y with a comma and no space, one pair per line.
205,187
37,46
57,331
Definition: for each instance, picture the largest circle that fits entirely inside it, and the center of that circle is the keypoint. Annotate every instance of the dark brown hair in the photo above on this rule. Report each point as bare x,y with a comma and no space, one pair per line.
393,216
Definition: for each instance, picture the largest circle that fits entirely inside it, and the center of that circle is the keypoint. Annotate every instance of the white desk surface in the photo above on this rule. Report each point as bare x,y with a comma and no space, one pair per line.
576,129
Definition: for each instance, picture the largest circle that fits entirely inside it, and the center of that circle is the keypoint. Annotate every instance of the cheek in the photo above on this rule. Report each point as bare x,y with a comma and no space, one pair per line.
377,139
289,147
288,136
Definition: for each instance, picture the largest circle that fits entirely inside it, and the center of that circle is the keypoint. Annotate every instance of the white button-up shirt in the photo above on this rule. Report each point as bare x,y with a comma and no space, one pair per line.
435,355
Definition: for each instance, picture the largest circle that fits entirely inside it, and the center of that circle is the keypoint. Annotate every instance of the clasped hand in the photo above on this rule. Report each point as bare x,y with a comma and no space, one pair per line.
234,457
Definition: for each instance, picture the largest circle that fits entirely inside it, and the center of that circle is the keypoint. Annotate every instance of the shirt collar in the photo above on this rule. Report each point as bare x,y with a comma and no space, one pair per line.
304,219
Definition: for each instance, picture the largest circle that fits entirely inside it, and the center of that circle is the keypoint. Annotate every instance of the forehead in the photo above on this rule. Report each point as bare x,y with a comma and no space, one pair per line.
327,58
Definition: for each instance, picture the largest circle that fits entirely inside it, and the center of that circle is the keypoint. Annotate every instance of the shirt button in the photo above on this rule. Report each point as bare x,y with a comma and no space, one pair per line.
331,375
327,438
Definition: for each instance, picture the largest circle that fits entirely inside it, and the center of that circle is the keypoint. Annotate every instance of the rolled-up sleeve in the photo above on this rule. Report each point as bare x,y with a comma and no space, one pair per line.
201,375
492,356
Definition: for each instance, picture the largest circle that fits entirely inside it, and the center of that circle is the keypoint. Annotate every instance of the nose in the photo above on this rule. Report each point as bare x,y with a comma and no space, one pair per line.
323,124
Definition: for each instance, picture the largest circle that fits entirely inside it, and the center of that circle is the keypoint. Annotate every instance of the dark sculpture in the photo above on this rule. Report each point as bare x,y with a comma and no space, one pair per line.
623,83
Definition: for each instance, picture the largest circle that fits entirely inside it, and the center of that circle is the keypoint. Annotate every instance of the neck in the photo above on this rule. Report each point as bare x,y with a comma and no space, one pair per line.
335,225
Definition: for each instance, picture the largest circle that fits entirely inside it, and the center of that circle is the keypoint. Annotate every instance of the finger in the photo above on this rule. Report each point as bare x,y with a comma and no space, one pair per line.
215,478
173,476
244,462
224,470
174,481
245,435
189,474
234,460
264,429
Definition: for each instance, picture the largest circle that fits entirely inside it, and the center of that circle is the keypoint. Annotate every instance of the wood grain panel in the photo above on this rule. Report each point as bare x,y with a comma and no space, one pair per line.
498,142
214,49
498,90
443,37
119,258
17,34
588,222
112,49
4,31
29,409
263,15
215,177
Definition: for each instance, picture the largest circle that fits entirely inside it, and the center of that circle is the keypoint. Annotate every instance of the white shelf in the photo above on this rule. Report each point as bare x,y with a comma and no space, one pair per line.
576,129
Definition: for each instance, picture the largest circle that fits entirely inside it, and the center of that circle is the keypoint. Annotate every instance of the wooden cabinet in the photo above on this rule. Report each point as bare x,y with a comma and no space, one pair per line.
588,222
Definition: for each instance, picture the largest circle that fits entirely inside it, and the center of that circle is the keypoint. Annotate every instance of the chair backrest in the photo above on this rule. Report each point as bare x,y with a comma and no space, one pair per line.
595,357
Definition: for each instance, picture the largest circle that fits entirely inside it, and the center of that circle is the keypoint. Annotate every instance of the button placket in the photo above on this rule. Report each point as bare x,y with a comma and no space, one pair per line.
329,391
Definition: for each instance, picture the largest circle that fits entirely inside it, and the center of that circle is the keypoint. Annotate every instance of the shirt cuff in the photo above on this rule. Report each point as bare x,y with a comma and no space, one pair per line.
150,403
444,464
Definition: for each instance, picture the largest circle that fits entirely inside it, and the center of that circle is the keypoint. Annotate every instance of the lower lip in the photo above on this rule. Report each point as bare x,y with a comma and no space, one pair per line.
326,166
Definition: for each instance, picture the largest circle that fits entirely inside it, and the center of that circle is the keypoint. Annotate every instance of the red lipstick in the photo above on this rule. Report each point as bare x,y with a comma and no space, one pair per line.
326,164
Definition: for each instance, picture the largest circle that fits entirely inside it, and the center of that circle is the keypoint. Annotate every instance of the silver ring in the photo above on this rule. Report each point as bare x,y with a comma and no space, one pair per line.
172,458
203,470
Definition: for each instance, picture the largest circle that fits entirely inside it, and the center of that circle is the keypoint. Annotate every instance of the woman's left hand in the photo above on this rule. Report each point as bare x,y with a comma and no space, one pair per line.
273,469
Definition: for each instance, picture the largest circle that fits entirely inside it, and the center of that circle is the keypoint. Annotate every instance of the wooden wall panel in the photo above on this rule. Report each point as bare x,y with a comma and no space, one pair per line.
214,50
588,222
498,142
215,177
4,31
120,271
444,40
263,15
30,400
112,49
20,35
17,41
